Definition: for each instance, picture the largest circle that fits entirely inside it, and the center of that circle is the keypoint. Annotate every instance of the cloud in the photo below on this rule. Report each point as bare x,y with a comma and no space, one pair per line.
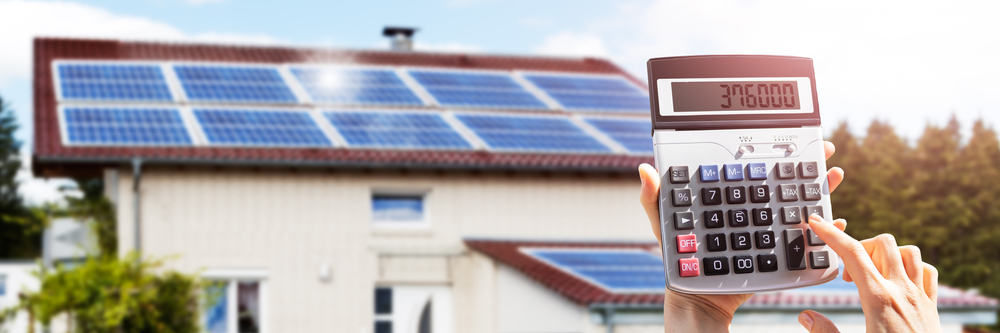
573,44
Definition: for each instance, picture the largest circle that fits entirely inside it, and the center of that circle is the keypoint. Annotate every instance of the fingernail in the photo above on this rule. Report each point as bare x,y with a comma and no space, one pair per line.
641,178
806,320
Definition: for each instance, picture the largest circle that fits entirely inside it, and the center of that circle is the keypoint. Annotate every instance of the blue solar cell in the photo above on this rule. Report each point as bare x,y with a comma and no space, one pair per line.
473,89
234,84
125,126
528,133
589,93
619,270
635,135
396,130
260,128
355,86
112,82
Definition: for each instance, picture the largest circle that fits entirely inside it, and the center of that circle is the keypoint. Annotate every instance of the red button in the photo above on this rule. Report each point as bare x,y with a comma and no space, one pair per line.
689,267
687,243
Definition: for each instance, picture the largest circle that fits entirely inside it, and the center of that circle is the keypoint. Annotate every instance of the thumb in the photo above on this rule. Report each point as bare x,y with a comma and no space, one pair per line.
816,323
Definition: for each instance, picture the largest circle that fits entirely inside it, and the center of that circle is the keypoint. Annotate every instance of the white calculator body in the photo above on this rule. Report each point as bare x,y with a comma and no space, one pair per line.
740,152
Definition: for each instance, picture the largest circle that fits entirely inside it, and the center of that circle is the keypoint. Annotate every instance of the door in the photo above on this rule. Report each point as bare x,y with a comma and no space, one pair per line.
413,309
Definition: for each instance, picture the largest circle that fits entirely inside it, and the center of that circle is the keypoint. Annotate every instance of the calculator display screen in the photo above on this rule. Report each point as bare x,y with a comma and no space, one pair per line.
735,95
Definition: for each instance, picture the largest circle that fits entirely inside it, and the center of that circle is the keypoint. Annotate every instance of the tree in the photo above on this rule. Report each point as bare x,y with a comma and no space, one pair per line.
20,227
95,207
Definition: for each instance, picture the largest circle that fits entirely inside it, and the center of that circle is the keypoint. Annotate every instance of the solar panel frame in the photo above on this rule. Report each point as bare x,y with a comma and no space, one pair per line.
606,149
422,97
647,134
64,126
656,267
296,98
442,115
57,80
331,141
409,71
618,77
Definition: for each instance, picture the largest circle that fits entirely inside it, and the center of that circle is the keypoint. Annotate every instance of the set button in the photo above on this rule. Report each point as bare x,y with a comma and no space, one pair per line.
678,174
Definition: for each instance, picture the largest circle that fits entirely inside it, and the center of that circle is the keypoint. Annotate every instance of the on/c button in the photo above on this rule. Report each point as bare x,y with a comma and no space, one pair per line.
689,267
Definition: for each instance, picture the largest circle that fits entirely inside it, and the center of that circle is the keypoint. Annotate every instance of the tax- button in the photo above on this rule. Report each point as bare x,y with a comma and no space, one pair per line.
788,192
689,267
687,243
811,192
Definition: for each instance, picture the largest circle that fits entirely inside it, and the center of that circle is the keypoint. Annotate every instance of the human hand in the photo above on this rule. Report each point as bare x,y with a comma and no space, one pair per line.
696,309
898,291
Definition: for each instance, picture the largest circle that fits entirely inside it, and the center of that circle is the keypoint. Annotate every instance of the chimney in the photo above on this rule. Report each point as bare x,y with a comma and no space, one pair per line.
401,38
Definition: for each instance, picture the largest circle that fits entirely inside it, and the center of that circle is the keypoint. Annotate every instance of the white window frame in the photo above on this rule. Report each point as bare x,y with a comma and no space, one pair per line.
231,277
422,224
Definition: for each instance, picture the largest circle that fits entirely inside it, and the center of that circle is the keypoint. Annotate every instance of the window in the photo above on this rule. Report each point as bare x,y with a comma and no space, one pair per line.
233,305
411,309
383,310
403,210
3,285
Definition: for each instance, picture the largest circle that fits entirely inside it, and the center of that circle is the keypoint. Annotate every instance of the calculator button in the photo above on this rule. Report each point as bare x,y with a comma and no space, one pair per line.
765,239
811,192
716,242
734,172
741,240
813,239
738,218
756,171
819,259
790,215
808,170
688,267
715,265
809,210
678,174
760,194
785,170
687,243
762,216
681,197
767,262
709,173
714,219
795,247
711,196
683,220
736,194
788,192
742,264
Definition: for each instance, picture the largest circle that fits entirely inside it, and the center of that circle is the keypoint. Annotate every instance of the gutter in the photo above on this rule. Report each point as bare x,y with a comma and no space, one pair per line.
136,206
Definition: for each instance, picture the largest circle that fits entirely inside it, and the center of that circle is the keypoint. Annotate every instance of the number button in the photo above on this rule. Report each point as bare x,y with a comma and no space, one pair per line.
742,264
765,239
756,171
741,240
711,196
786,170
716,242
736,194
811,192
715,265
788,192
734,172
738,218
709,173
683,220
678,174
714,219
681,197
762,216
767,262
760,194
790,215
808,170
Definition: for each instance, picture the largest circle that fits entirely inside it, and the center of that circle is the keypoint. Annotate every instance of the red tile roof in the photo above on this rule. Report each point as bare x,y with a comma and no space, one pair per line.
53,158
582,292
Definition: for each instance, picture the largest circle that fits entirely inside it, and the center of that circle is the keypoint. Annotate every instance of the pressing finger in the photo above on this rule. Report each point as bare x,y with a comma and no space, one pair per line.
913,265
885,254
930,281
834,177
649,196
829,148
856,259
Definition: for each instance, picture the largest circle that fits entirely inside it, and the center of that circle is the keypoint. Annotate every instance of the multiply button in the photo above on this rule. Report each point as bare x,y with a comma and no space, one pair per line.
756,171
795,247
687,243
688,267
786,170
790,215
808,170
734,172
709,173
715,265
678,174
811,192
681,197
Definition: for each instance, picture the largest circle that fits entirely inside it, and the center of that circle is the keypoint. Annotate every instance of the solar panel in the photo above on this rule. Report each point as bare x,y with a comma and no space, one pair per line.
528,133
234,84
589,93
633,134
476,89
125,126
618,270
260,128
355,86
396,130
112,82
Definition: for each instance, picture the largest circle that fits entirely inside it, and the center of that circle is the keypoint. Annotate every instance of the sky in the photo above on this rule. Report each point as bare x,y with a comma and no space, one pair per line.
910,63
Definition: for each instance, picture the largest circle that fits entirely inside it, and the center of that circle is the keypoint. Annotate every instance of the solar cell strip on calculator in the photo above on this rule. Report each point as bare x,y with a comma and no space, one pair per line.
355,86
618,270
260,128
234,84
531,133
125,126
396,130
633,134
583,93
476,89
112,82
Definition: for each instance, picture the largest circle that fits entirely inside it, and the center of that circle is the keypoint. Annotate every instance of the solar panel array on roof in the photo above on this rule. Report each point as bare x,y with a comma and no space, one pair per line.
531,133
476,89
355,86
396,130
633,134
248,84
125,126
592,93
285,128
112,82
618,270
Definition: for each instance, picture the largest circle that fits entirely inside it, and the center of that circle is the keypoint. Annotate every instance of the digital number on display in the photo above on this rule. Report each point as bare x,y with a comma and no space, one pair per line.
735,96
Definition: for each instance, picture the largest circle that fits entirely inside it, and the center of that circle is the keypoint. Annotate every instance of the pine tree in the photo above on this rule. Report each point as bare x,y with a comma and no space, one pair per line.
20,228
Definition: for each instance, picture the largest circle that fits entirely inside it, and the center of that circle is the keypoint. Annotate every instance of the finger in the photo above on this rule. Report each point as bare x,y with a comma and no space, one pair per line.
649,196
912,264
887,257
857,262
931,281
829,148
814,322
834,177
842,225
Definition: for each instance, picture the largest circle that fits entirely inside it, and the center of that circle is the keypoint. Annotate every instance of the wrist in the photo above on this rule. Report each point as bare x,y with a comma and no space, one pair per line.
693,313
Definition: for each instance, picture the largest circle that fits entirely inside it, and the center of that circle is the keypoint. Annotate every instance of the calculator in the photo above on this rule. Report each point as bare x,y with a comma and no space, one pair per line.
739,149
